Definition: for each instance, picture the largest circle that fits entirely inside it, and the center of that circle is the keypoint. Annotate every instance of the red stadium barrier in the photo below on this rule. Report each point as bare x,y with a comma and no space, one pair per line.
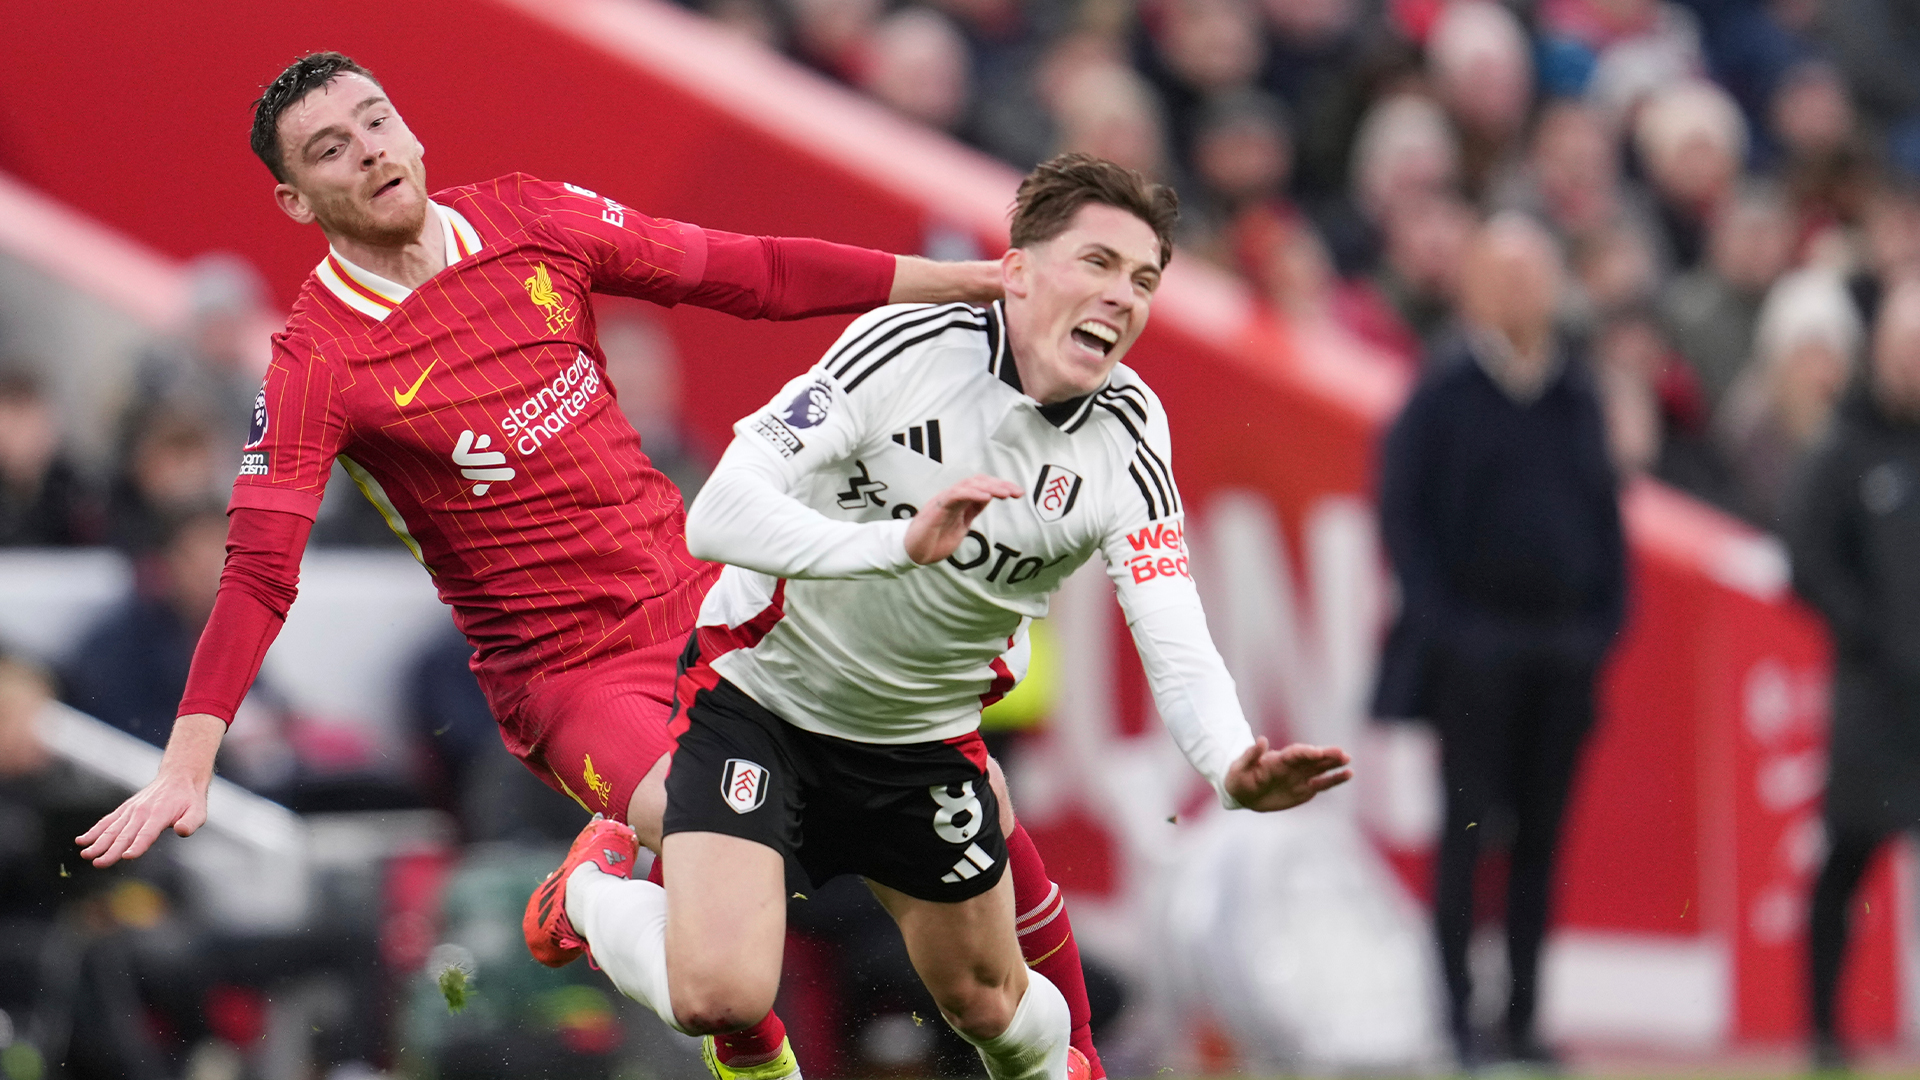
1691,821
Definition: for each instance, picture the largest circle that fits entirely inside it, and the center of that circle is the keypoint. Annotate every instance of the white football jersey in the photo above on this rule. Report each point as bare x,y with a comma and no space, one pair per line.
837,631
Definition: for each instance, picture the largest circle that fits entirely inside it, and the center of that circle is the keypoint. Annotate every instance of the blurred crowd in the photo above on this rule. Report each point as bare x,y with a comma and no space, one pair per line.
1729,178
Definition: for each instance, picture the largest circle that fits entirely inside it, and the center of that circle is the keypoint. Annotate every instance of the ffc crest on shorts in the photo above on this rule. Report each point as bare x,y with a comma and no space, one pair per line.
743,785
1055,492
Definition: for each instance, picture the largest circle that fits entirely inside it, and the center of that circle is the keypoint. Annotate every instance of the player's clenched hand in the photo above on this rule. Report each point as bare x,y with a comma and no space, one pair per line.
1267,779
176,799
936,531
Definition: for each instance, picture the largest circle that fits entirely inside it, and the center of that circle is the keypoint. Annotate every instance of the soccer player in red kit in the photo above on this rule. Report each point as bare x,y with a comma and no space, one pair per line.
445,353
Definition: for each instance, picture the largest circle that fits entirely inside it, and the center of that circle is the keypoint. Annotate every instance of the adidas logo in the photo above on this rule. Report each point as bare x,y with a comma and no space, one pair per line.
614,858
921,439
969,865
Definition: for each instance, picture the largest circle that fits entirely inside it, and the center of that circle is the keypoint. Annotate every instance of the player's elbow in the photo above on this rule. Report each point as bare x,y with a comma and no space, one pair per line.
705,538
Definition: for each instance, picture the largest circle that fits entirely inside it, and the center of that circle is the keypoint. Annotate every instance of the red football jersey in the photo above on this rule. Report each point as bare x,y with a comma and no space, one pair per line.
475,412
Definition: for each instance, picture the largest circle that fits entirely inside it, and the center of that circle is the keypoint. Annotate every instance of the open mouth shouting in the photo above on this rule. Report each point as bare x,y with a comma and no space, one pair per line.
1096,337
388,186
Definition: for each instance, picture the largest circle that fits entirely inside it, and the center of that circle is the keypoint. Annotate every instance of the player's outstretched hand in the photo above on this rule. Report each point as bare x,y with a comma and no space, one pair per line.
176,799
1267,779
936,531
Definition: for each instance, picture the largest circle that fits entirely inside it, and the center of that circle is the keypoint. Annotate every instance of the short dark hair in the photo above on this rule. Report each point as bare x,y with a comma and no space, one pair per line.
301,78
1056,190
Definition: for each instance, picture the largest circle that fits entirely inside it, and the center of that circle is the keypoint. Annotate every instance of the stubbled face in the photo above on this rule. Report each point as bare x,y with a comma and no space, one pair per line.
1077,303
352,165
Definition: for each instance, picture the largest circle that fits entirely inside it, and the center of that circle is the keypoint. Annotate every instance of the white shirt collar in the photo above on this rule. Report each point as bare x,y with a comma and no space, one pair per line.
375,296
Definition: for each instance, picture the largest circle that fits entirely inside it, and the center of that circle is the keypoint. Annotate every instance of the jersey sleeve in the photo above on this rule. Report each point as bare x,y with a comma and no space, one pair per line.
299,425
626,252
1146,554
257,586
747,514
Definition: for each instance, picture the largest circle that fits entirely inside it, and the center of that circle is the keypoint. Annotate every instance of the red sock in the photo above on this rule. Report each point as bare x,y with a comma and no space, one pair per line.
658,875
1046,938
756,1045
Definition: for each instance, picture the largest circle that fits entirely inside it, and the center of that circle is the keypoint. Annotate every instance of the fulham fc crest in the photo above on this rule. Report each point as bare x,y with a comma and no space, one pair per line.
1055,492
743,785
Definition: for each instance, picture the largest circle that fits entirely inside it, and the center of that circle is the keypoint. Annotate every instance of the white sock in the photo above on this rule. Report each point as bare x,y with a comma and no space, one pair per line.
625,923
1034,1046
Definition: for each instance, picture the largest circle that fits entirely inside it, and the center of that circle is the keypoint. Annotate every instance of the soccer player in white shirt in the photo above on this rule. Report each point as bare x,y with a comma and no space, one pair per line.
892,521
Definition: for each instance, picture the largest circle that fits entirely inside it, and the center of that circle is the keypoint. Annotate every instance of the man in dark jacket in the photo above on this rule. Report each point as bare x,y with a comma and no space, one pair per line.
1855,533
1500,512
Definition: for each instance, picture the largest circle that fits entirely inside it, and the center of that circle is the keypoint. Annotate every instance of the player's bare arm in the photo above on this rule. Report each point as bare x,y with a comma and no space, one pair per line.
1266,779
924,281
176,799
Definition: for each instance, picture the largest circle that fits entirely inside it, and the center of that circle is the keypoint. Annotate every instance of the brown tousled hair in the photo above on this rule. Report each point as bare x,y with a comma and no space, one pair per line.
302,77
1056,190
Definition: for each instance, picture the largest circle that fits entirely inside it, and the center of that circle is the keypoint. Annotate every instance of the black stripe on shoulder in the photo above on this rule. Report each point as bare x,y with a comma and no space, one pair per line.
1153,511
1134,398
957,323
1161,484
1159,467
885,330
1120,414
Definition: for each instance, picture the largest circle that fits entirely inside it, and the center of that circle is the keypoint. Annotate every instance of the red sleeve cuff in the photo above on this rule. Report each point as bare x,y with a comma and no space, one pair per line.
278,499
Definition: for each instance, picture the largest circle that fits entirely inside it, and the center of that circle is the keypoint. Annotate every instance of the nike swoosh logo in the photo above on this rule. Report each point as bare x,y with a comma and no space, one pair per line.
406,399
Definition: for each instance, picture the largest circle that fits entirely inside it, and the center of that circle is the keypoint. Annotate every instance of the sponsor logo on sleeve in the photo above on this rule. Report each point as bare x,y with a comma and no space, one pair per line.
1055,492
257,430
744,785
253,463
780,435
1159,551
810,406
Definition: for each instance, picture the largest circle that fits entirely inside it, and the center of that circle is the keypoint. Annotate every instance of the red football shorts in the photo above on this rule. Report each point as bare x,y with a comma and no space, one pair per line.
602,727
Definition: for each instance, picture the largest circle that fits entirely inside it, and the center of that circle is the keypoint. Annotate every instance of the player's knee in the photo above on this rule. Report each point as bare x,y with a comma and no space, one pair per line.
711,1008
977,1008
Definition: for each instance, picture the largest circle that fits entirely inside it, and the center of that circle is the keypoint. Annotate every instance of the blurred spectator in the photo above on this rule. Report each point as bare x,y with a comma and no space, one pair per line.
1781,405
645,372
1616,268
831,35
1692,142
1481,65
1890,241
1110,111
1418,281
1572,177
1499,509
1712,310
1405,152
43,501
214,366
1855,515
1876,44
1615,48
1242,160
1657,417
172,468
1196,52
487,789
130,670
917,63
1824,159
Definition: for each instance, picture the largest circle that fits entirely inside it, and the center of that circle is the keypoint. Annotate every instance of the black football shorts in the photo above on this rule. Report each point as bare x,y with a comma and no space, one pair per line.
920,818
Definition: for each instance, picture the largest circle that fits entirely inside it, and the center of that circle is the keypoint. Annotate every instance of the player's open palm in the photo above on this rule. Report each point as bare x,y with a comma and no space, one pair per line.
1264,778
936,531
